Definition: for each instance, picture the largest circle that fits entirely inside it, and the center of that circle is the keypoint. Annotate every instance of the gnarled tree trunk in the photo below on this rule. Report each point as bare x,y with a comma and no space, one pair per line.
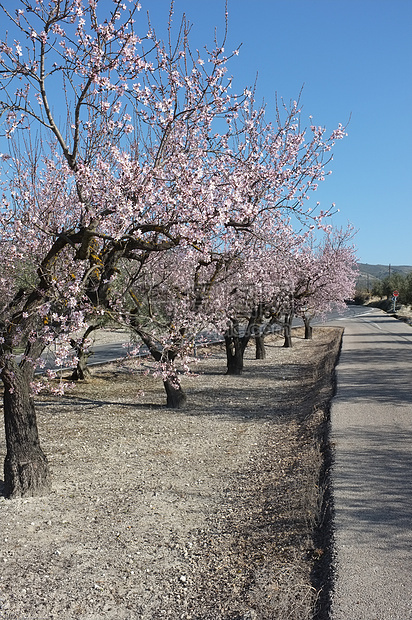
255,329
234,355
175,395
82,371
235,348
26,470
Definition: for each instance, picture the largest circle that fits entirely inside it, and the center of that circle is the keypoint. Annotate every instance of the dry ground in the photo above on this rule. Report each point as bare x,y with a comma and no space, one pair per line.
210,513
404,314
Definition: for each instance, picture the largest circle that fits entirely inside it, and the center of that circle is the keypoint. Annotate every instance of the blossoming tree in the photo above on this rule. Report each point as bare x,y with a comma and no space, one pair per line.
325,276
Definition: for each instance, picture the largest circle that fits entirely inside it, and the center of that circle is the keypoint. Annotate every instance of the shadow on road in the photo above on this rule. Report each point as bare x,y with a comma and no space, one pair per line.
378,481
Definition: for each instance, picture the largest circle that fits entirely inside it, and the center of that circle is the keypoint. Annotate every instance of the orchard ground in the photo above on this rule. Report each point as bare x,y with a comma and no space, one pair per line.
218,511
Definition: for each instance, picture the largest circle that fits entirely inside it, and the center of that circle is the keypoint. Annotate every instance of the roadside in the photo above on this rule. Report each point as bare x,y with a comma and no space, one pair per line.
371,431
402,312
210,513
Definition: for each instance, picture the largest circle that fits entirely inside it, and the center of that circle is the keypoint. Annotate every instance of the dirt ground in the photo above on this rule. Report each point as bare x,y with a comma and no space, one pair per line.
404,313
208,513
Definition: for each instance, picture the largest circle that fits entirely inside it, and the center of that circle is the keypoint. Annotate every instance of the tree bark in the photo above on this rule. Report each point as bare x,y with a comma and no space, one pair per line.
26,470
234,354
176,397
82,371
308,328
235,348
260,347
287,331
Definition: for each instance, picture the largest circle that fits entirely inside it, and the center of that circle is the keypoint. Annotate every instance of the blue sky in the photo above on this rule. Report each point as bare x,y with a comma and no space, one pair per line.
354,59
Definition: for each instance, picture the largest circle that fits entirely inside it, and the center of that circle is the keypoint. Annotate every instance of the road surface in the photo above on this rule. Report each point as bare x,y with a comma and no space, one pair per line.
371,432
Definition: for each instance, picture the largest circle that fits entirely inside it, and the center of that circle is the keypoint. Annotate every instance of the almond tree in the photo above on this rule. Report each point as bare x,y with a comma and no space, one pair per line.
39,303
172,303
252,291
325,276
319,275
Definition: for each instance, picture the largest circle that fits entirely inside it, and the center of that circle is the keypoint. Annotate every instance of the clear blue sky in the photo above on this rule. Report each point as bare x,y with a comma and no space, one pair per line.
354,58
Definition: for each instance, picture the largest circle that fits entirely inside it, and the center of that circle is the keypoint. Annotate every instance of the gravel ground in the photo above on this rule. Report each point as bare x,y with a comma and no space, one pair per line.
209,513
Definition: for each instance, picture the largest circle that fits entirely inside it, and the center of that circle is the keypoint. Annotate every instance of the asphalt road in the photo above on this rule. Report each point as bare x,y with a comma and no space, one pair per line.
371,432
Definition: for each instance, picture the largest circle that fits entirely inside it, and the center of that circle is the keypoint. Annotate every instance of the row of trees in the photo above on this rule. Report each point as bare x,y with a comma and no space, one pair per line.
137,186
244,292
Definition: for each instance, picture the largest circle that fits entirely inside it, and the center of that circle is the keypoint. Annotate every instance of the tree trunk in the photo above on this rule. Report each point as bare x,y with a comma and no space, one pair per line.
81,371
236,346
26,470
176,397
308,328
234,354
287,330
260,347
255,330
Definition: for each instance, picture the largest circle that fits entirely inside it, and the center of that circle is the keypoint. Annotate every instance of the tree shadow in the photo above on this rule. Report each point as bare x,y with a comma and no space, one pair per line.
240,397
378,375
376,483
90,404
259,393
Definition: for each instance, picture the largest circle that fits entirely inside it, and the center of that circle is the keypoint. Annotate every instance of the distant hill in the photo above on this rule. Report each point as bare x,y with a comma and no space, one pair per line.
368,274
381,271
